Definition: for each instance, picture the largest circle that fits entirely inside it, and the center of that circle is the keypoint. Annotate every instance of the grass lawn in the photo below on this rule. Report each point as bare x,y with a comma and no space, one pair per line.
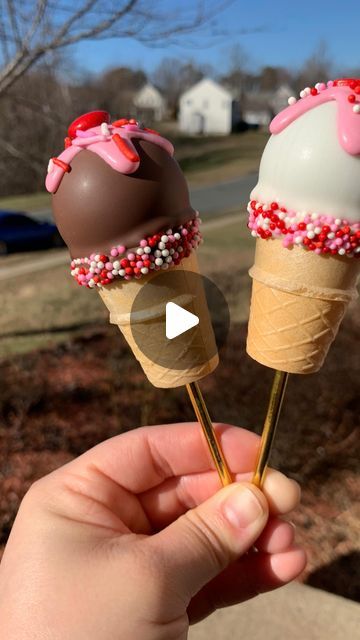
47,307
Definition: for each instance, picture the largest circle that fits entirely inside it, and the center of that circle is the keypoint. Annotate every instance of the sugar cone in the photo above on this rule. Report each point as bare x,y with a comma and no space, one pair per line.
298,301
200,352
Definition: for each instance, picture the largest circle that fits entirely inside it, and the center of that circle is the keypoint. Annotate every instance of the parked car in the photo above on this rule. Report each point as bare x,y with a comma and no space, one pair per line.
20,232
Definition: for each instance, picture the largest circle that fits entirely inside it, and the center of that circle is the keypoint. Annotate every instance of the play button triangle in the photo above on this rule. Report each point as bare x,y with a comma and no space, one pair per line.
178,320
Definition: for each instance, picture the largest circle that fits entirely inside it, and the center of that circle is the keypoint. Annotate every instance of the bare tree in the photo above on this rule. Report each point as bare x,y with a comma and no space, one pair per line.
174,76
32,29
317,68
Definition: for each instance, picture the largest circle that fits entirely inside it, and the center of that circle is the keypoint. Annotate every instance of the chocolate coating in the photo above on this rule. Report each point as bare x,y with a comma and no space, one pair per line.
96,207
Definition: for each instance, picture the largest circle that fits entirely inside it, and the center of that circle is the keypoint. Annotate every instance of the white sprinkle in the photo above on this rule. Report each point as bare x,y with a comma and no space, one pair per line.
115,272
97,258
314,216
100,264
317,230
140,251
298,240
98,284
307,91
161,245
303,94
164,239
292,100
169,259
309,227
310,235
144,270
147,250
116,264
93,264
158,262
157,253
341,252
357,250
165,266
172,251
177,236
337,221
331,235
73,272
122,272
91,283
180,249
356,109
104,129
165,252
254,233
281,215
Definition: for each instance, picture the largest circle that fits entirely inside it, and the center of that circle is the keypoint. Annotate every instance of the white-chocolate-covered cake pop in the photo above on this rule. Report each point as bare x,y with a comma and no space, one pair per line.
305,212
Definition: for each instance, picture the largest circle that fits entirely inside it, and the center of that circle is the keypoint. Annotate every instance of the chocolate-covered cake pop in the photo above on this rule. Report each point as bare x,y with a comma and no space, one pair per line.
114,185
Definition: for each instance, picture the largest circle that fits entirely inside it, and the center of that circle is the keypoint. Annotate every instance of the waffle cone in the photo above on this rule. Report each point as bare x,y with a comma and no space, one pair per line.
201,352
298,301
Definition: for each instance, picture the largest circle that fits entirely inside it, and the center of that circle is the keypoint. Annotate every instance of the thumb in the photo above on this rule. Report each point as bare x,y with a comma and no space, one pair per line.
205,540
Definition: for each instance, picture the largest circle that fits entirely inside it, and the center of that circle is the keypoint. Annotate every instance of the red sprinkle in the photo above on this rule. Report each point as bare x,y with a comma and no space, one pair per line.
64,165
125,148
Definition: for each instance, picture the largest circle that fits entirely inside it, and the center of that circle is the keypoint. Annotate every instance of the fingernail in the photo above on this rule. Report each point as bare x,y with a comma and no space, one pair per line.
242,508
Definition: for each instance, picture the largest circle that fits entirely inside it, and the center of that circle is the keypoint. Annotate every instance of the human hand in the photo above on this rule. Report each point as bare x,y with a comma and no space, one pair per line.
134,539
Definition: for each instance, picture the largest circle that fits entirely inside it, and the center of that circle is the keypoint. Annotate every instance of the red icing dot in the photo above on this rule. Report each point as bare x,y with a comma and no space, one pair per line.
314,91
88,120
351,97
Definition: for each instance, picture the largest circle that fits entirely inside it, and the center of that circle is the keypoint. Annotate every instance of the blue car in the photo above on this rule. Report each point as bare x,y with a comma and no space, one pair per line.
20,232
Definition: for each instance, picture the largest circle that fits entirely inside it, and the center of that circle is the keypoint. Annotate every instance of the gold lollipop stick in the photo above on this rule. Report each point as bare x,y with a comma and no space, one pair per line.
203,417
270,424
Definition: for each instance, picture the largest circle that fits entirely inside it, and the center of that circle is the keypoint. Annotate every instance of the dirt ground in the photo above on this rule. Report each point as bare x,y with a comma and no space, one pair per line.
57,402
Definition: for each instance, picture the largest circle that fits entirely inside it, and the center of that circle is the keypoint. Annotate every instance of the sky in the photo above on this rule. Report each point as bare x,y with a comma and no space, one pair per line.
289,32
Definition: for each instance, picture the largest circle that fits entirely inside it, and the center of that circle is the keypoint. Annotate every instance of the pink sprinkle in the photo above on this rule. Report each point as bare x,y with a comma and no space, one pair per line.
131,256
318,251
127,277
139,264
110,276
114,252
109,266
339,241
184,232
121,248
143,243
330,83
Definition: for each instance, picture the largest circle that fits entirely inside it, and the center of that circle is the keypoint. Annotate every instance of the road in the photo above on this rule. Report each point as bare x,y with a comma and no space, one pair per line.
210,200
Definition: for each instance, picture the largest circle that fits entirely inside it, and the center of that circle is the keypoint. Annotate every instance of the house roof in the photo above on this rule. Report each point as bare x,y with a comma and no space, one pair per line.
204,84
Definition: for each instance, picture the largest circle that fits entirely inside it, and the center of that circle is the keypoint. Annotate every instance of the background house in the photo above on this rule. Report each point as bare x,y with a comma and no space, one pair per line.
208,108
149,104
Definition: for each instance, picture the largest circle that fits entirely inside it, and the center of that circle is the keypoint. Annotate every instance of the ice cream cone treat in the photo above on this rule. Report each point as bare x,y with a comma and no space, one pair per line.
305,215
121,204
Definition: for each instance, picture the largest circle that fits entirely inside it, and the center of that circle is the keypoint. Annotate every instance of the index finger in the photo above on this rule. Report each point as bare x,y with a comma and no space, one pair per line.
143,458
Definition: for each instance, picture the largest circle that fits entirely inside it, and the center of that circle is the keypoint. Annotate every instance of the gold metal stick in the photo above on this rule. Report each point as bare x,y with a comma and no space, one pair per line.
270,424
203,417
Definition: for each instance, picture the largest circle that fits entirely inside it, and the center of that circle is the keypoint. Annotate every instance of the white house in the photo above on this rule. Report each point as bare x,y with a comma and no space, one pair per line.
149,103
207,108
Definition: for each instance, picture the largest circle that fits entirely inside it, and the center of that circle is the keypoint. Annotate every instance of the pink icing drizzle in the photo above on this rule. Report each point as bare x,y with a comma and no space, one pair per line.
104,146
348,121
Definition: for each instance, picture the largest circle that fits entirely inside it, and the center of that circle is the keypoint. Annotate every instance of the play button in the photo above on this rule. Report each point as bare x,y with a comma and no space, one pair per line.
178,320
